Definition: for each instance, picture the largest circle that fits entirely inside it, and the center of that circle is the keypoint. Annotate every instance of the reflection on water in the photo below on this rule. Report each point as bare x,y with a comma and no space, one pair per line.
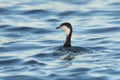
28,40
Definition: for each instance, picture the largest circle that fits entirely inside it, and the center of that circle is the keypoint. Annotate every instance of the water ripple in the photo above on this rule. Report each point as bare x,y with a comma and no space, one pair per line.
29,41
34,62
10,62
103,30
35,12
25,29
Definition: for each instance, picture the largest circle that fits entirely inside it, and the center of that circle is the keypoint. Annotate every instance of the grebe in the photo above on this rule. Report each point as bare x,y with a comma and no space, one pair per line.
67,27
67,48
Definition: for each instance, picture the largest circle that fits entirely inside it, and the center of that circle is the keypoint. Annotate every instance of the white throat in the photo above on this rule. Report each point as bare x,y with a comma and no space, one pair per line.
66,29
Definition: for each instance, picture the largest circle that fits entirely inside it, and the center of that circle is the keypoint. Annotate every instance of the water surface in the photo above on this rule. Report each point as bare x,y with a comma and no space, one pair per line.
28,39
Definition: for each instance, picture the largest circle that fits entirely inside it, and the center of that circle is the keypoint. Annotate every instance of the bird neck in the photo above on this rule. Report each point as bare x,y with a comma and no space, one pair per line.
68,40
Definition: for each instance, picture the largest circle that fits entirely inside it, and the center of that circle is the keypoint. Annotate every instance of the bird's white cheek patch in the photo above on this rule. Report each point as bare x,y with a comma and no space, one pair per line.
66,29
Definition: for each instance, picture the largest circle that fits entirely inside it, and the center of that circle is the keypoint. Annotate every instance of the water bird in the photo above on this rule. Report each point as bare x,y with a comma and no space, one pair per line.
67,48
67,27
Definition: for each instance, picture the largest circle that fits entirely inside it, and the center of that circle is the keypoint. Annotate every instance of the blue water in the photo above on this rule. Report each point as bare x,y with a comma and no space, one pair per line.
29,40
